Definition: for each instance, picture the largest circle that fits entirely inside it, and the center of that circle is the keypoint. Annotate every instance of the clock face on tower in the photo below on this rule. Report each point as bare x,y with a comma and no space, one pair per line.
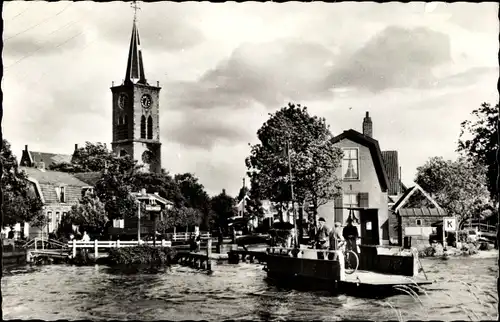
122,101
146,101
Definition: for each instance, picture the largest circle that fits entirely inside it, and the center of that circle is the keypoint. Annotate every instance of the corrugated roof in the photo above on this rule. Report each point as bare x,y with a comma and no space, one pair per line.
422,212
49,158
53,177
151,195
90,178
392,169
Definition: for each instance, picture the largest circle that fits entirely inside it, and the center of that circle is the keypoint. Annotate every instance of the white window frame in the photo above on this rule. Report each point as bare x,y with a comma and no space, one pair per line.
358,164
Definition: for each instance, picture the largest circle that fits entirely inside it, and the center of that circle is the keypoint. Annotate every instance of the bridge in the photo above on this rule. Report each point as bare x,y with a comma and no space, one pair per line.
38,248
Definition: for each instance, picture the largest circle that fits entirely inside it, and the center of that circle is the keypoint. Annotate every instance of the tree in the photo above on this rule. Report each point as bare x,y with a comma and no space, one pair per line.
459,187
291,133
180,217
223,207
89,214
479,142
20,202
93,157
242,193
115,186
253,205
162,183
195,196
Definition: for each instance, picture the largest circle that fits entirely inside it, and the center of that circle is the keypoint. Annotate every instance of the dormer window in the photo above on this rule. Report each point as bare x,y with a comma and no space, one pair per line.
87,192
350,164
61,194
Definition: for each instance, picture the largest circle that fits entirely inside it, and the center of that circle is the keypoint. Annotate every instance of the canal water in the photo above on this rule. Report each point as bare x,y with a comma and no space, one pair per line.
464,290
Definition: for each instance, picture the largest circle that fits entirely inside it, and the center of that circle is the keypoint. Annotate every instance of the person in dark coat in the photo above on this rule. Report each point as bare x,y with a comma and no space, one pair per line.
322,237
351,235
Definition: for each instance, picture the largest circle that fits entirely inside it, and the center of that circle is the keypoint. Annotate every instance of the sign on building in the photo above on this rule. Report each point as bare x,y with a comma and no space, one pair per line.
153,207
449,224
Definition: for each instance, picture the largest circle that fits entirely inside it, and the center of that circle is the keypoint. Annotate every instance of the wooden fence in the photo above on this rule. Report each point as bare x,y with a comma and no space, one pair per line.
185,236
96,244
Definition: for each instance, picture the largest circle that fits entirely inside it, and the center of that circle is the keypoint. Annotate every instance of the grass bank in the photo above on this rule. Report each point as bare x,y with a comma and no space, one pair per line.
141,255
138,255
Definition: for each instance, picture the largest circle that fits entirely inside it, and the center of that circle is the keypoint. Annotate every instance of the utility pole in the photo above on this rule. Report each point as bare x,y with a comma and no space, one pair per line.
498,205
139,223
292,195
244,195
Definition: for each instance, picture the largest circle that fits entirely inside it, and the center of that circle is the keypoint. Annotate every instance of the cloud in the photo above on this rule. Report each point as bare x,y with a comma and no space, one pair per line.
203,129
394,58
25,44
268,73
166,28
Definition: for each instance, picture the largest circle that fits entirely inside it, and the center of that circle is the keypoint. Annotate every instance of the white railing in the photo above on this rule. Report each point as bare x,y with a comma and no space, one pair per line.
96,244
186,236
45,242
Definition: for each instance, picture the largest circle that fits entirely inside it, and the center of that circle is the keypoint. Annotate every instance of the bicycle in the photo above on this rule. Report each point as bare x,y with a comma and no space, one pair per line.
351,259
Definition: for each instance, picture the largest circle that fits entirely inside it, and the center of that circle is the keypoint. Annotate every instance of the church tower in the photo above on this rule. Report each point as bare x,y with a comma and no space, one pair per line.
136,119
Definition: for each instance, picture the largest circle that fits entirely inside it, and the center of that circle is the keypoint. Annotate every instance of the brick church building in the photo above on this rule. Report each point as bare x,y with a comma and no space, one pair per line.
136,132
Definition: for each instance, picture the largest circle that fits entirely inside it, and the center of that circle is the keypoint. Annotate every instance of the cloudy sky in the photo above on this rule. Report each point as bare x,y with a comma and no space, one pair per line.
419,70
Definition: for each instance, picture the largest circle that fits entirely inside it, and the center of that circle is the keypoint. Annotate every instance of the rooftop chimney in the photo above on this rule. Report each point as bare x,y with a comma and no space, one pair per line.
367,125
76,147
26,148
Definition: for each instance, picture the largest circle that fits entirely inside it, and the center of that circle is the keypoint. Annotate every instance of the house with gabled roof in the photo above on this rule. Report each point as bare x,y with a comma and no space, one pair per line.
43,159
58,191
369,176
415,217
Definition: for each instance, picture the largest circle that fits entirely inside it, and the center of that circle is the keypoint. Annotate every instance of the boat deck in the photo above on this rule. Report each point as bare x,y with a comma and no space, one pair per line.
367,278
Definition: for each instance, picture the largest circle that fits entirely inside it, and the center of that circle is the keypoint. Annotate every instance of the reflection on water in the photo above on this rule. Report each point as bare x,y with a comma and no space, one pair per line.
234,292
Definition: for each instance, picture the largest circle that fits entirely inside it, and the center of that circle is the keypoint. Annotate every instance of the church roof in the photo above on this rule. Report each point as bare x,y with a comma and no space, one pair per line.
391,164
135,67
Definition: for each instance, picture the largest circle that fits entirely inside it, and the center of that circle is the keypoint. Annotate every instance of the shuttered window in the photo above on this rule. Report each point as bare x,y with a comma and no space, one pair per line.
338,209
363,199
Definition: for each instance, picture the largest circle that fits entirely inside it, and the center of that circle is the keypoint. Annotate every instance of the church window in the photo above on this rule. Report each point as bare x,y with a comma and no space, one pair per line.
143,127
150,128
125,120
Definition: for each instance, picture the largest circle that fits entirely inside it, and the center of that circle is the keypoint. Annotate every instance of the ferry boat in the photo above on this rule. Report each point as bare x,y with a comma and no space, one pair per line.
379,270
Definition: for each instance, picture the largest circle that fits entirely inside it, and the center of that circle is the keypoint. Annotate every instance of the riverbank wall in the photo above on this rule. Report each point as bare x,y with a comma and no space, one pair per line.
14,258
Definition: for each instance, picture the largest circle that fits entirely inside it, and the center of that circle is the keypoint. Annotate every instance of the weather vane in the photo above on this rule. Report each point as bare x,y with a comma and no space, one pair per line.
136,7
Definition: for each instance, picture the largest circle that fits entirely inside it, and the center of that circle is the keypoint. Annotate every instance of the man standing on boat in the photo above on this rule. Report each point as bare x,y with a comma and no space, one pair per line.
322,237
351,235
336,240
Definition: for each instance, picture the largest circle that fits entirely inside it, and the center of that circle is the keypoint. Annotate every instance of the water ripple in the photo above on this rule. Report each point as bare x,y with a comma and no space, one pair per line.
233,292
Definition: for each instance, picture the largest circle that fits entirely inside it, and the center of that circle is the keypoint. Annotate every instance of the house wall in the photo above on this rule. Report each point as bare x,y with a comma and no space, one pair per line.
419,233
394,228
368,183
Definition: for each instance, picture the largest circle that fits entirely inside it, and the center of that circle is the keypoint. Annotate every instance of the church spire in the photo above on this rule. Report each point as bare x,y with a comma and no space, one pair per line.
135,67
